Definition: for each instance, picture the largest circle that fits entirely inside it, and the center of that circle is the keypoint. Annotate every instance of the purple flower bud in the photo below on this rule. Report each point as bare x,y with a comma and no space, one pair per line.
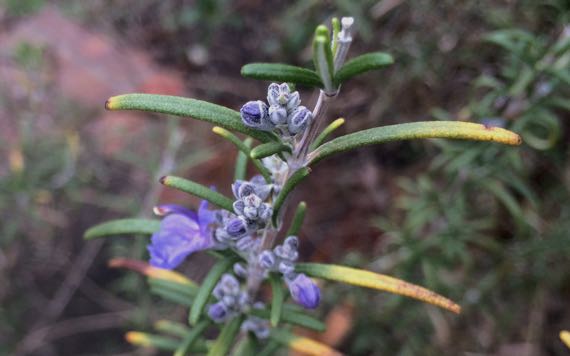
250,212
293,102
278,94
299,119
229,301
254,114
266,259
238,207
277,115
218,312
286,267
240,270
292,242
246,243
304,291
252,200
235,187
236,228
265,211
246,189
229,284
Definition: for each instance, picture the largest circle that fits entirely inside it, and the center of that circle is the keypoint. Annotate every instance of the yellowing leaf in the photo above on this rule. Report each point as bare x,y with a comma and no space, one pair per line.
565,337
303,344
150,271
378,281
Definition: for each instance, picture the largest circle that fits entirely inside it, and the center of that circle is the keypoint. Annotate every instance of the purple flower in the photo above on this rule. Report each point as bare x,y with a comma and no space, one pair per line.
299,120
255,114
304,291
180,234
218,312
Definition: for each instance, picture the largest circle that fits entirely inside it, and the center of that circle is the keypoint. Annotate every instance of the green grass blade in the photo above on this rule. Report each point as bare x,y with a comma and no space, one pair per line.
206,288
186,107
278,72
362,64
198,190
415,130
123,227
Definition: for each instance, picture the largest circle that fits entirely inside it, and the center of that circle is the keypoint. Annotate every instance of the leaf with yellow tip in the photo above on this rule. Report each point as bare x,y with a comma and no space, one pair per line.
302,344
378,281
457,130
186,107
149,340
565,337
150,271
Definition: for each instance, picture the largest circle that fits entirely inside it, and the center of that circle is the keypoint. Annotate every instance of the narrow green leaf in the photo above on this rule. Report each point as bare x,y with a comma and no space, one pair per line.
171,296
189,339
123,227
224,342
323,60
150,340
186,290
186,107
245,148
206,288
198,190
270,348
415,130
277,299
279,72
292,317
377,281
171,327
302,344
362,64
247,346
241,162
326,132
289,185
298,219
336,30
268,149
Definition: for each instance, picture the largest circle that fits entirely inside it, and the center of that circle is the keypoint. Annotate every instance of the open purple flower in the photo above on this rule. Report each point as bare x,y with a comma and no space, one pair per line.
181,233
304,291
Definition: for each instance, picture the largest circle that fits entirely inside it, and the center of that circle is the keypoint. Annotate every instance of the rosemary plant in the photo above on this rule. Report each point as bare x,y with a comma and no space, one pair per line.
244,232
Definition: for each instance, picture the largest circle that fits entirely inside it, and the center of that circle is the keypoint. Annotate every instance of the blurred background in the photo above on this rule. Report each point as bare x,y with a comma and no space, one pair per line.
486,225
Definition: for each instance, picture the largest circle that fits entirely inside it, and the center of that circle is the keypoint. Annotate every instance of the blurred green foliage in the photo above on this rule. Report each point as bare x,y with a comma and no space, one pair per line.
487,227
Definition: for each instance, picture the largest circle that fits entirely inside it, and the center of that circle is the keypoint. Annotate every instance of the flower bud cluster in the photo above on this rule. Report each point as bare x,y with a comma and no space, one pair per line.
232,300
258,326
251,214
284,114
282,259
